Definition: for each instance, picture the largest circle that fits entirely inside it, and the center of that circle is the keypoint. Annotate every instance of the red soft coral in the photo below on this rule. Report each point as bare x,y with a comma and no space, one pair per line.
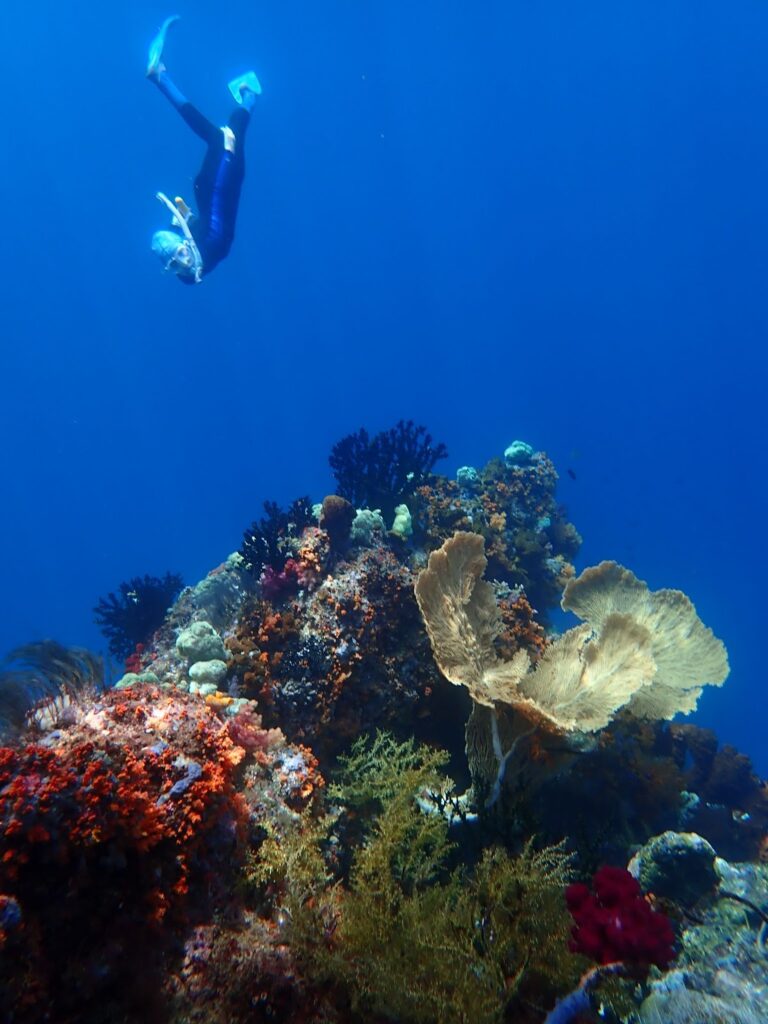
614,922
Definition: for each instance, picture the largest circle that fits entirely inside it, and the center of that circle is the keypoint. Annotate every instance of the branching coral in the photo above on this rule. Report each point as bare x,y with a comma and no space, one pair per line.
132,617
381,471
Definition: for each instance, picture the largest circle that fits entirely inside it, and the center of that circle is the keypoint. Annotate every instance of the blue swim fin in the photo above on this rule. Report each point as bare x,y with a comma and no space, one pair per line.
246,81
157,44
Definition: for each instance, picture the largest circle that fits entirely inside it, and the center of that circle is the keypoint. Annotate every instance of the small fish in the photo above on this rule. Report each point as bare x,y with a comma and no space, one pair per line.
571,474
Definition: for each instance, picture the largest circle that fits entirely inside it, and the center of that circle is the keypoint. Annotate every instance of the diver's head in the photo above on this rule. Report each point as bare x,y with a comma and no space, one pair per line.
175,252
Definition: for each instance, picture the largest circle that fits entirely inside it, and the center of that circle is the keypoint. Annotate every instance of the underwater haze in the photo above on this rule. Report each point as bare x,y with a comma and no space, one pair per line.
503,220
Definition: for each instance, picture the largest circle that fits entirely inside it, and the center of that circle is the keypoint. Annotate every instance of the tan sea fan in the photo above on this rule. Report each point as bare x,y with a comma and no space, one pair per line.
647,651
462,619
585,676
687,654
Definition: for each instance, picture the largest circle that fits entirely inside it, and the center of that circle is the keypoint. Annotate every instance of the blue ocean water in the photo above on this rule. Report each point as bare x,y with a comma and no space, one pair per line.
503,220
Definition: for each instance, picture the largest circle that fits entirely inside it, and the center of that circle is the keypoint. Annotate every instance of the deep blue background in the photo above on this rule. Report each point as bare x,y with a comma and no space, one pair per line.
504,219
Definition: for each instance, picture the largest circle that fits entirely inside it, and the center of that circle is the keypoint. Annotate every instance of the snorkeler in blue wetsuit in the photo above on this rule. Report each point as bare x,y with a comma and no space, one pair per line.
198,244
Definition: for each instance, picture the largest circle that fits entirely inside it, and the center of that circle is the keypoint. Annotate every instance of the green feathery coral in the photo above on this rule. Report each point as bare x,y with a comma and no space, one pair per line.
406,937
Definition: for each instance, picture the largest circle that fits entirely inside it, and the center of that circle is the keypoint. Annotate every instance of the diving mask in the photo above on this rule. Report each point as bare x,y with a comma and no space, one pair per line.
174,250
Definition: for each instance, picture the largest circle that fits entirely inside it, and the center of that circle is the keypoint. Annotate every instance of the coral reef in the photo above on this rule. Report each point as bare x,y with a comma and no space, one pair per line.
225,835
332,664
720,973
121,827
130,801
404,937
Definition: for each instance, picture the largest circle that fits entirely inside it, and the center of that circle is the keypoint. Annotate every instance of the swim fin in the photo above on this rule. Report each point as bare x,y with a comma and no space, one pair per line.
157,44
246,81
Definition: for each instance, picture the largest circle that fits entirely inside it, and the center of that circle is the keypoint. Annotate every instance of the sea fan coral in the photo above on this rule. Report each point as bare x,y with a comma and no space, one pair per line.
591,671
687,654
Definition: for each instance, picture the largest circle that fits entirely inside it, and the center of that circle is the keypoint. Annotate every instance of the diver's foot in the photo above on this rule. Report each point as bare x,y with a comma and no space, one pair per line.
245,88
248,97
155,58
154,73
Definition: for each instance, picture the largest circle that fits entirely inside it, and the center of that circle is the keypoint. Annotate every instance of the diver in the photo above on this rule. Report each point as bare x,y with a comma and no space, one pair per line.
196,245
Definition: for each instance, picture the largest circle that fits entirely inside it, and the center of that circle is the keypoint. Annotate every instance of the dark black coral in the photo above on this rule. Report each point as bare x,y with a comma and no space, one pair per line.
267,541
136,612
381,471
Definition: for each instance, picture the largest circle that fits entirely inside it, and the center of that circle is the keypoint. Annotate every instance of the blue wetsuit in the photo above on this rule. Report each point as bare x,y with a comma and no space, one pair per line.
218,184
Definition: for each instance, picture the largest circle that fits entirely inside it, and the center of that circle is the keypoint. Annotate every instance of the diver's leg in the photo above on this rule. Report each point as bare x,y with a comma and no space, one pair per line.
240,117
168,87
239,120
199,124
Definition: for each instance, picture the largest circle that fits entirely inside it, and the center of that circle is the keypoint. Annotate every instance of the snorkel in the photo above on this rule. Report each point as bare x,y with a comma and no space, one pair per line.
182,257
